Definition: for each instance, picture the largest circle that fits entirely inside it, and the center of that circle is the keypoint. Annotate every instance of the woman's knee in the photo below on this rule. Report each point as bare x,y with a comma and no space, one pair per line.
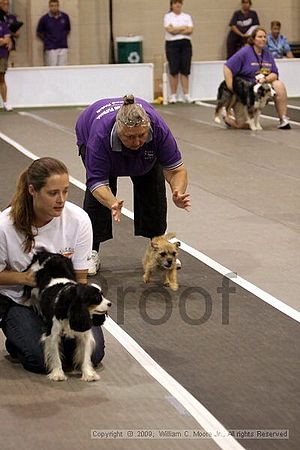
34,363
279,88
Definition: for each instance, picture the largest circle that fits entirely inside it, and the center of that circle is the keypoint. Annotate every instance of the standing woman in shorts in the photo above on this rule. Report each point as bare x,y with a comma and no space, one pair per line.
179,27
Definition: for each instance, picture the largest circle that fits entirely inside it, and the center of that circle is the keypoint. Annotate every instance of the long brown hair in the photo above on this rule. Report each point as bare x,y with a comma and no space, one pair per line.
22,213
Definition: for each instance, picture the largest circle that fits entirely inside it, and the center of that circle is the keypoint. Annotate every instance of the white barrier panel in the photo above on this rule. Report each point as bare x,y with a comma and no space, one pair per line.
207,75
77,85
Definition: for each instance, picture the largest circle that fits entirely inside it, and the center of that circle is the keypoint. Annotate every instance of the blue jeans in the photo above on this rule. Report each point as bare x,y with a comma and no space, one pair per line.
23,329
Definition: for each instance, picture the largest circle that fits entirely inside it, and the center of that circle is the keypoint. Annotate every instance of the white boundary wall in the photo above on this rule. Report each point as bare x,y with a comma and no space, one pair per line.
82,85
207,75
77,85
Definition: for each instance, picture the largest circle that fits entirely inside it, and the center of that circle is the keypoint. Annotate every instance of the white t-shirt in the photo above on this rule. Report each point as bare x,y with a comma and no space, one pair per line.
70,234
177,20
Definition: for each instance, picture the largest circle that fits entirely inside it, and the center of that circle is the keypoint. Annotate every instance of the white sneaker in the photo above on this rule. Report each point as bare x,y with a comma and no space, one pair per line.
187,98
284,124
94,264
7,107
173,99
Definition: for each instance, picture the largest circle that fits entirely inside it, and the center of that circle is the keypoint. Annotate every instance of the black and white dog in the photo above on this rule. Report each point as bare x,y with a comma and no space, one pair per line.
68,309
247,101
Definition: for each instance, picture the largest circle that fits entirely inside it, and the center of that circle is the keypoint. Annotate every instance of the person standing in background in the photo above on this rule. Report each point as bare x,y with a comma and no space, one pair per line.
5,47
53,29
278,44
179,27
10,20
241,25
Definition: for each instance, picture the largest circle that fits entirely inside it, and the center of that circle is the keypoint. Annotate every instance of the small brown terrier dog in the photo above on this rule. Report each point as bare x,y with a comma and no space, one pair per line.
162,254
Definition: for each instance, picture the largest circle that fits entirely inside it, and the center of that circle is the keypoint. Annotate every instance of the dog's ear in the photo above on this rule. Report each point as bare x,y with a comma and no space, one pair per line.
79,315
154,243
98,319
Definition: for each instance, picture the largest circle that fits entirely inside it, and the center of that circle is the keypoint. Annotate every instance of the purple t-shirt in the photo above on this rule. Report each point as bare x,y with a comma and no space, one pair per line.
10,19
54,30
246,63
106,155
4,31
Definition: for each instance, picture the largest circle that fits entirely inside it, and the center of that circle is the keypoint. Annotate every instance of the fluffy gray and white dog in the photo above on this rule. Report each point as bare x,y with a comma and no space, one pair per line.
247,101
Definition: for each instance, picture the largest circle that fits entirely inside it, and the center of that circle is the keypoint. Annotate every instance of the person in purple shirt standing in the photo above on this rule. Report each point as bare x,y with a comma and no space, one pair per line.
241,27
11,20
253,60
53,29
5,47
127,137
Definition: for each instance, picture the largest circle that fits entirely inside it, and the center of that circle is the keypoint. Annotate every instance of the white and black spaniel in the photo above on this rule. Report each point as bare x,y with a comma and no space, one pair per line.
68,309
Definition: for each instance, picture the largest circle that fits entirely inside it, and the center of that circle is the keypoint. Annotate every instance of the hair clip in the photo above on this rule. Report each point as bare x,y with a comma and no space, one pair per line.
133,122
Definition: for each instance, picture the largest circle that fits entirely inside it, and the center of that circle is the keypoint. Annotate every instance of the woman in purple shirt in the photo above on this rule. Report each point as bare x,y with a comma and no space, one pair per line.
127,137
252,60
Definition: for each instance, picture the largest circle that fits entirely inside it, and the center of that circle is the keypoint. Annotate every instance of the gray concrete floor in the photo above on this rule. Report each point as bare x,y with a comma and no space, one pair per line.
245,196
244,189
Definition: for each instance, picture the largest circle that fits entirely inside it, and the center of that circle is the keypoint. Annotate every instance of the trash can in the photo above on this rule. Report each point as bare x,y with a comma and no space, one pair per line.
129,49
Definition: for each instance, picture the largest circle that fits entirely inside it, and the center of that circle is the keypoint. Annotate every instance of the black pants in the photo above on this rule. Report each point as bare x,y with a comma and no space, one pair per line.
23,329
150,206
179,56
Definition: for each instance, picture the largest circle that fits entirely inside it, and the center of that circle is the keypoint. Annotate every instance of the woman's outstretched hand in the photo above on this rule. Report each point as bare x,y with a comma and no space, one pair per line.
182,200
116,210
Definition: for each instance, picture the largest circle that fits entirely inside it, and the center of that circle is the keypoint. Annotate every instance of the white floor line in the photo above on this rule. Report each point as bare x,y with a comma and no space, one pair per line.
210,105
267,298
193,406
47,122
288,106
206,420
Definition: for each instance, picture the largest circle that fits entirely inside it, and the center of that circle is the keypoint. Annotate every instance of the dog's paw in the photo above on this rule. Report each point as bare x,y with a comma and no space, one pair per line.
259,127
217,119
146,278
90,376
174,286
57,375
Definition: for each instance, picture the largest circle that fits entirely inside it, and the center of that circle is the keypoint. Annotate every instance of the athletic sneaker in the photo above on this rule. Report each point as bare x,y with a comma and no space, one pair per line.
94,264
173,99
227,125
7,107
187,98
284,124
